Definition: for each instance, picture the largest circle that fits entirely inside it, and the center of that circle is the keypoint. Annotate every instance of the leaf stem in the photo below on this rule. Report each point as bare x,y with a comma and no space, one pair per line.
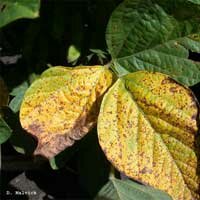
110,66
112,172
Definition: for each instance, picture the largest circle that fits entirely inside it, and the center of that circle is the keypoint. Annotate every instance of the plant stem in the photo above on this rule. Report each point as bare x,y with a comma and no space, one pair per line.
112,172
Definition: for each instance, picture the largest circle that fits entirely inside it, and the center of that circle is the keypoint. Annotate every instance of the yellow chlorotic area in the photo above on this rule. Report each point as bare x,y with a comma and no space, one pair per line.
147,128
62,106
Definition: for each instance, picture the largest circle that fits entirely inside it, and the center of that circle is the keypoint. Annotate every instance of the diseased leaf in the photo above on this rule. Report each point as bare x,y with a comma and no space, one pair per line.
117,189
62,106
147,127
11,10
4,97
156,36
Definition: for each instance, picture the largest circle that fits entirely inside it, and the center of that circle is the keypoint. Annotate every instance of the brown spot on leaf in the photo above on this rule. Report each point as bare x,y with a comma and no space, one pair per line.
146,170
161,135
173,89
194,117
66,114
167,80
36,128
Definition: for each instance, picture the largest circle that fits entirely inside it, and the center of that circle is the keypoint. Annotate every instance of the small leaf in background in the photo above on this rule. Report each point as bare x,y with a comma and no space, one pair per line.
5,131
11,10
156,36
147,128
73,54
63,105
101,55
18,94
117,189
4,96
21,141
32,77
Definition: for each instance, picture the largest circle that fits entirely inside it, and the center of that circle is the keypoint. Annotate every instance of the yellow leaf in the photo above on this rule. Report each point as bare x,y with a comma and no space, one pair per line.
147,128
63,105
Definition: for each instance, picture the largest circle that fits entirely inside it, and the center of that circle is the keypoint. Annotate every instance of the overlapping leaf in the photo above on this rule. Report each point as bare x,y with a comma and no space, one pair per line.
63,105
117,189
11,10
18,94
156,36
147,127
5,130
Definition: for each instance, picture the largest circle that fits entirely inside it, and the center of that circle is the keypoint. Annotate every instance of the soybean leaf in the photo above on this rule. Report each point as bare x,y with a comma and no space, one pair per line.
62,106
21,142
156,36
101,55
11,10
5,131
117,189
147,128
73,54
18,94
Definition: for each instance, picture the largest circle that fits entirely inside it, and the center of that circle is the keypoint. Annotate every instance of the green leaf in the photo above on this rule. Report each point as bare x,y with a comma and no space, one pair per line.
5,131
101,55
147,127
20,140
18,94
73,54
117,189
11,10
156,36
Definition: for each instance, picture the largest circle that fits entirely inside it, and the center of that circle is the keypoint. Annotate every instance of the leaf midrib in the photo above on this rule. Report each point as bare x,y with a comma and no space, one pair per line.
173,160
168,102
